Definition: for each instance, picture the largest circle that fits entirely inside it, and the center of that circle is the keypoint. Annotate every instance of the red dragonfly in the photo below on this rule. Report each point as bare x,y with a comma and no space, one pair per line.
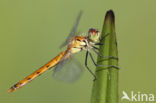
75,43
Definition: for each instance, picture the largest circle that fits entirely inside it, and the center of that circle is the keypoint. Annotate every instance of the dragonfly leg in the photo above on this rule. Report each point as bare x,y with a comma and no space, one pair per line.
105,57
95,48
104,37
105,66
99,44
102,40
86,64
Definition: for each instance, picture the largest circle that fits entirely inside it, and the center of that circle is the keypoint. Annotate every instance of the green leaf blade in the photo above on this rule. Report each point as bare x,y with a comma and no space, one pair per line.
105,88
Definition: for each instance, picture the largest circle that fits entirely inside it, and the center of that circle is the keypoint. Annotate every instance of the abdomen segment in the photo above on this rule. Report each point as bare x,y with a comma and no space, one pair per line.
38,72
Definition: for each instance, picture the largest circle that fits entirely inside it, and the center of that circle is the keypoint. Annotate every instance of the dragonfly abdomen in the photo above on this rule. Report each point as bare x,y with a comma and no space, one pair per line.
38,72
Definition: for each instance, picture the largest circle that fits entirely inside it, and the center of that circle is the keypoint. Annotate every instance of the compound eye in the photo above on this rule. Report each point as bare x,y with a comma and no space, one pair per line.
93,31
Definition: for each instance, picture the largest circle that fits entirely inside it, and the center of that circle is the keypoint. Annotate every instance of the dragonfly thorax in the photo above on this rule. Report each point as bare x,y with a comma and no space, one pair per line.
77,44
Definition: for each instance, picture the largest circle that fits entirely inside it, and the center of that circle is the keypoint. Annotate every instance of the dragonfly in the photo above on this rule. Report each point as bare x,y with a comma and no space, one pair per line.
75,43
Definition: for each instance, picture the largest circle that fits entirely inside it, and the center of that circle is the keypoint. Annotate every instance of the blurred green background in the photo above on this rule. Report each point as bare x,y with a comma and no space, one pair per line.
31,32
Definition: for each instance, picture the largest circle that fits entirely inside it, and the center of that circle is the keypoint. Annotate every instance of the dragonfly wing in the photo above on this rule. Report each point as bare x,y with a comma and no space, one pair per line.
73,31
68,70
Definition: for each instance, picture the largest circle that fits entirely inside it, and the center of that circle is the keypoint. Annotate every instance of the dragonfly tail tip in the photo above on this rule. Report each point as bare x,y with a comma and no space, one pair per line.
10,90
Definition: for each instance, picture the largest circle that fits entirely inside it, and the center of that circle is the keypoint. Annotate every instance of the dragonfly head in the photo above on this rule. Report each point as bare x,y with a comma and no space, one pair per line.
93,35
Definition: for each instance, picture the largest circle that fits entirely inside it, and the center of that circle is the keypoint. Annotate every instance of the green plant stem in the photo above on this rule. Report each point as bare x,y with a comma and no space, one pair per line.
105,88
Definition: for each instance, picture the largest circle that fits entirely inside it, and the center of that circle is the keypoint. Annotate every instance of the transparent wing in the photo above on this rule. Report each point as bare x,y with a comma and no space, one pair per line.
68,70
73,31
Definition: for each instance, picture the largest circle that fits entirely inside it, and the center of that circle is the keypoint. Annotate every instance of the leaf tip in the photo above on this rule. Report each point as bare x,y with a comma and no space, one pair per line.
110,16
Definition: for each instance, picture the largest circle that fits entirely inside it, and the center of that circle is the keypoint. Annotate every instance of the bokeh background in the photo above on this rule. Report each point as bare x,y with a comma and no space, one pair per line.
31,32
